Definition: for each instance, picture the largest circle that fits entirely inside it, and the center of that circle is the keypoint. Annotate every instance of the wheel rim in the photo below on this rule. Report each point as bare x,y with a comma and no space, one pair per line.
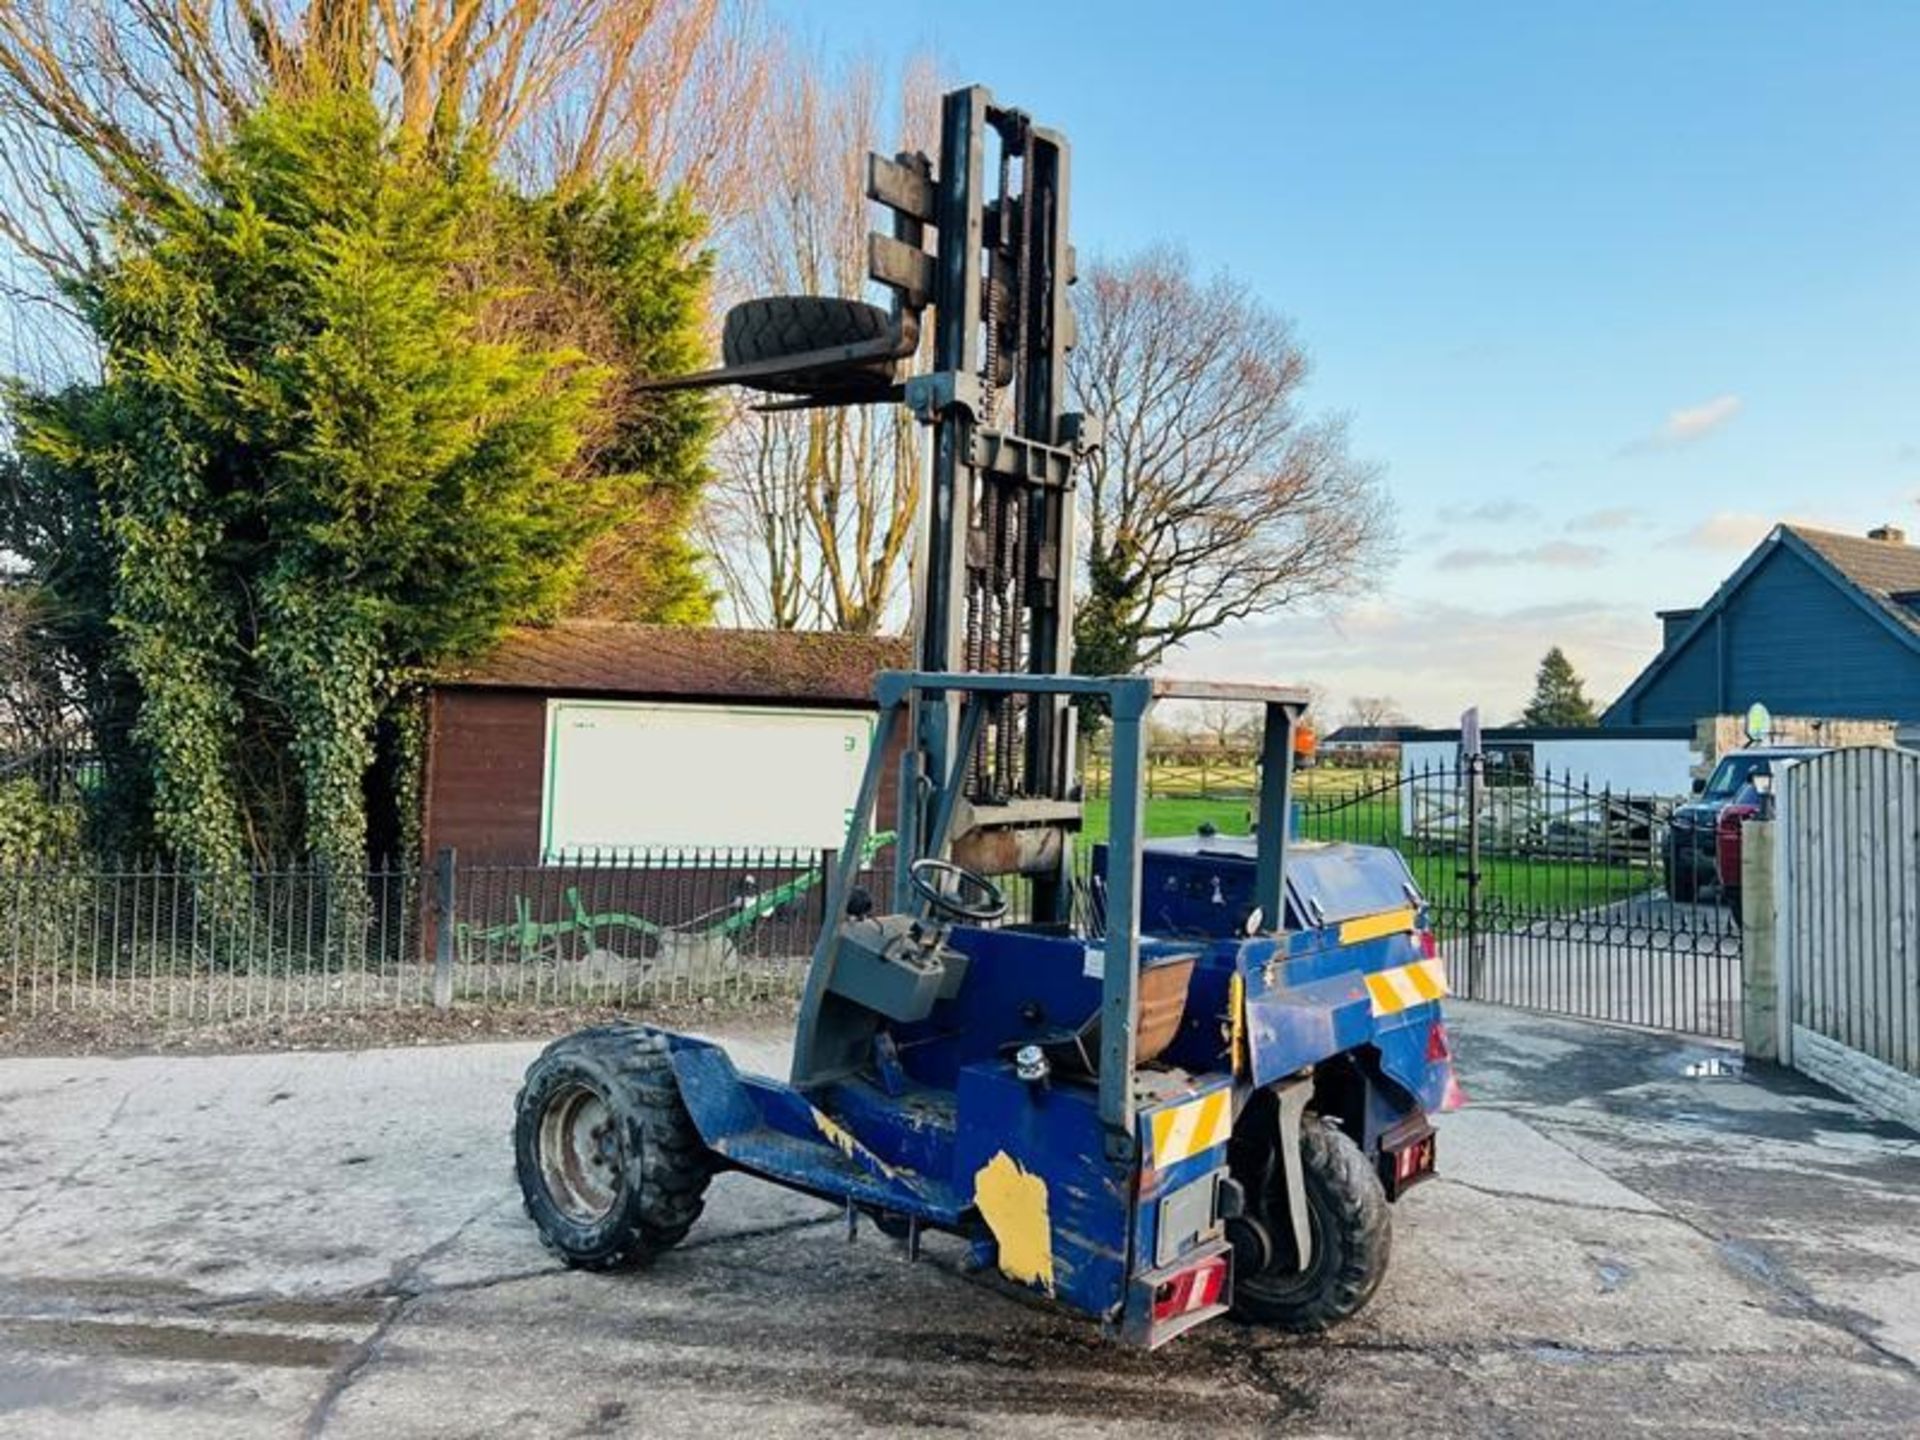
1279,1283
580,1157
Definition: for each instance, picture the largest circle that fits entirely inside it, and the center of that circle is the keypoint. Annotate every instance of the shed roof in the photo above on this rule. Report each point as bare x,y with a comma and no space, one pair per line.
1610,734
1368,735
610,657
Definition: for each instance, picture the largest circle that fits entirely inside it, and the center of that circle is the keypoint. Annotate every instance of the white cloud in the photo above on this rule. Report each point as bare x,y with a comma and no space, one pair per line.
1741,530
1698,420
1435,659
1726,530
1489,512
1613,517
1562,554
1688,424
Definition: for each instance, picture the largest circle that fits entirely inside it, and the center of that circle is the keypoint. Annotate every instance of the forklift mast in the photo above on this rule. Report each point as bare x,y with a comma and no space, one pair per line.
993,587
994,591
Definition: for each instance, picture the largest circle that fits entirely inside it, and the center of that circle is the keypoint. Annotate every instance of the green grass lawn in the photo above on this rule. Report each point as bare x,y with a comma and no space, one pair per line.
1520,884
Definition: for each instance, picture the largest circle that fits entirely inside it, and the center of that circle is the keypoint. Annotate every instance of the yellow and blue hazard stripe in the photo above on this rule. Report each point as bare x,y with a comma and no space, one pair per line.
1191,1127
1404,986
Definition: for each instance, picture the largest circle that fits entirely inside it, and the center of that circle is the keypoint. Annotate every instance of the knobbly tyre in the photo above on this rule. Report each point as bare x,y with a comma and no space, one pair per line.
1190,1085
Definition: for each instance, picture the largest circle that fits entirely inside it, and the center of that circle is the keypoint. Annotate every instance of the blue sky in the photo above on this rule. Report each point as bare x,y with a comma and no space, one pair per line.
1607,289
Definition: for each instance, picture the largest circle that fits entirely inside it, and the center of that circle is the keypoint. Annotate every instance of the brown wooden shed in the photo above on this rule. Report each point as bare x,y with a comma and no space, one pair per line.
487,728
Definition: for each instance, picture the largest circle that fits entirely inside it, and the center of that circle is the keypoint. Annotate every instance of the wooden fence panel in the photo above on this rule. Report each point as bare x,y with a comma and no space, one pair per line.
1850,832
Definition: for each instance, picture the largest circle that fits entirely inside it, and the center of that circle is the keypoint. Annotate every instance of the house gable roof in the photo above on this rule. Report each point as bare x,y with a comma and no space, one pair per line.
1878,569
1868,572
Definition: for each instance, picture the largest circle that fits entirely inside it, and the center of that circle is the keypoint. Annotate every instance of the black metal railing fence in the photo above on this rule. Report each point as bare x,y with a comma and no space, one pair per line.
146,937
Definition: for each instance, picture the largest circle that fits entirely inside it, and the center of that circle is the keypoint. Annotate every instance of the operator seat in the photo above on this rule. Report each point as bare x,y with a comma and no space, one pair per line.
1159,1005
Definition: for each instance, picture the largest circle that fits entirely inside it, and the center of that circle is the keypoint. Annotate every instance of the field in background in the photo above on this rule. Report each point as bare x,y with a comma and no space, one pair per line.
1364,807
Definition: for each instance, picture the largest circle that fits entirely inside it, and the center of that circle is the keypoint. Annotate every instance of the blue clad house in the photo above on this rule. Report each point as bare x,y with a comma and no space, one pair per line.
1812,623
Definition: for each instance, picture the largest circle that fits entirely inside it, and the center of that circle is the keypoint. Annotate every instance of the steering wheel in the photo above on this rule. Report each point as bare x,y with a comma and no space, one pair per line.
925,875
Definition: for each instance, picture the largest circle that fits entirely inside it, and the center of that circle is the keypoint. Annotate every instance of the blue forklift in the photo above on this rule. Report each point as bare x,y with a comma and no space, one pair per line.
1189,1077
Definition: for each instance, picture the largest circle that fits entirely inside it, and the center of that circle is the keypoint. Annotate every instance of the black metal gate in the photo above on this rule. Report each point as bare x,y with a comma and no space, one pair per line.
1549,893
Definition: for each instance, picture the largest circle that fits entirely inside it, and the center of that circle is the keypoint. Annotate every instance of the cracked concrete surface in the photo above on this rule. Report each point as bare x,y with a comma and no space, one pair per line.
332,1244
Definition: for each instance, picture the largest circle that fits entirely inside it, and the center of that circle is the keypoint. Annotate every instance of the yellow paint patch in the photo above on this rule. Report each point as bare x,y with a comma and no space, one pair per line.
1183,1130
1372,927
1237,1024
842,1141
1392,991
1013,1202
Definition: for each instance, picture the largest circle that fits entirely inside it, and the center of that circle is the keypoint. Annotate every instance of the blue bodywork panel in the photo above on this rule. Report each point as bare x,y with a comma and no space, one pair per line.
770,1128
1053,1133
1306,997
1203,885
1020,987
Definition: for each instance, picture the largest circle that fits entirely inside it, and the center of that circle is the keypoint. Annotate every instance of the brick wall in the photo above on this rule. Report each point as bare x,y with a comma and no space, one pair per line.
1714,735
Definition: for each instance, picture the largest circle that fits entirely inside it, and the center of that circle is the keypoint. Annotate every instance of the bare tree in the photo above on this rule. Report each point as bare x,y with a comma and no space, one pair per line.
810,518
1225,724
1374,711
103,101
1213,500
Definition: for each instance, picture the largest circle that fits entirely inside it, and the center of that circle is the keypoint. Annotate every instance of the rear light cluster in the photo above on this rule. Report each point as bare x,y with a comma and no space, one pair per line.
1429,947
1191,1290
1414,1160
1440,1052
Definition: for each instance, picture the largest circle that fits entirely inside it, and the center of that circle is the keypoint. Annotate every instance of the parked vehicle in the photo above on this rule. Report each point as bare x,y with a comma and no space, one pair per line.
1692,847
1753,802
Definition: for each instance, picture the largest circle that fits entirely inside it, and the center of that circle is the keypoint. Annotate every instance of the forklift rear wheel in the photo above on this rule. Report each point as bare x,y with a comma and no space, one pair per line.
1351,1231
610,1164
779,326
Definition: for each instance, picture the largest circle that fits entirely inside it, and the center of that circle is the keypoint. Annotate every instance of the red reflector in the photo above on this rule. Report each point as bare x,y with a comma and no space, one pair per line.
1191,1290
1429,947
1440,1052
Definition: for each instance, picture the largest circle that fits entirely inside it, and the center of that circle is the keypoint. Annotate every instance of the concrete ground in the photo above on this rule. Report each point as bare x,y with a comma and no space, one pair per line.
1631,1235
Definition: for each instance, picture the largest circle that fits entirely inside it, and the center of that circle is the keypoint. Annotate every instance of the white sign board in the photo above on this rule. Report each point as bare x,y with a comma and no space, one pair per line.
625,777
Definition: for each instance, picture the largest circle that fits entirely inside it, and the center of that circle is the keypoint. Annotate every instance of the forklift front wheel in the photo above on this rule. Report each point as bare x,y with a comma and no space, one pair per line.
1351,1229
610,1165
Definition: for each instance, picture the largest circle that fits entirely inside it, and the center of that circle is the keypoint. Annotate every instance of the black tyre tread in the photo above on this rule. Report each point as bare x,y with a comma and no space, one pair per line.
777,326
631,1064
1357,1227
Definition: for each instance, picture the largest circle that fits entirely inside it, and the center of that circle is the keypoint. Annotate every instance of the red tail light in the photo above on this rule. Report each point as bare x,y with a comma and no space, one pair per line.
1440,1052
1429,947
1191,1290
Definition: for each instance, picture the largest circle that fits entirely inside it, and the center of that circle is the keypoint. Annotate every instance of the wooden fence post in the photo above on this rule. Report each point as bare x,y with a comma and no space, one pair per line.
1759,944
443,928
